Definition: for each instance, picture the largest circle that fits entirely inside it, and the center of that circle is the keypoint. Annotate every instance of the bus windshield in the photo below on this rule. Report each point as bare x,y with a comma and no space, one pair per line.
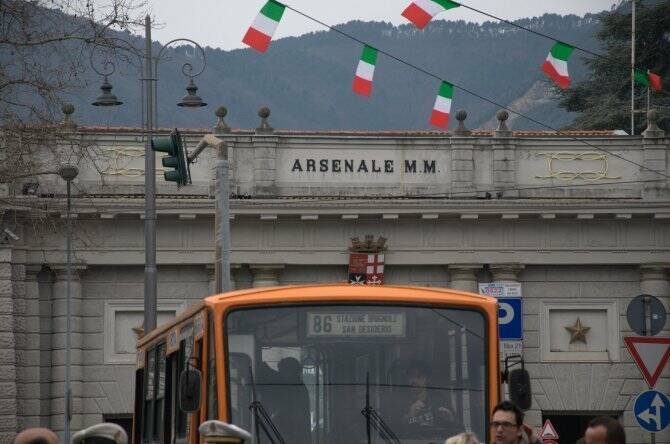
356,373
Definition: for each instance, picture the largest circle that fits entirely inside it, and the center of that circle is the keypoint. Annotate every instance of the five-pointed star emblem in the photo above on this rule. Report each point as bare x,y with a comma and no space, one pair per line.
578,332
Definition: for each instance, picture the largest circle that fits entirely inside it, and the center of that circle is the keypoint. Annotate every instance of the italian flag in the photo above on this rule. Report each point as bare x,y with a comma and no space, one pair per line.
366,68
556,64
649,79
420,12
260,32
440,115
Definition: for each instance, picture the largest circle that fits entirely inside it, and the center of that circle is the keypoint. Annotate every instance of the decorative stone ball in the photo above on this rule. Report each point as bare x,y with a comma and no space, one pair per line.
461,115
502,115
221,112
652,116
68,108
264,112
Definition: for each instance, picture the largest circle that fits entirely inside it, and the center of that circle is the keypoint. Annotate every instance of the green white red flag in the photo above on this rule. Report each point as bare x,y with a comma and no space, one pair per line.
556,64
649,79
260,32
420,12
440,115
365,71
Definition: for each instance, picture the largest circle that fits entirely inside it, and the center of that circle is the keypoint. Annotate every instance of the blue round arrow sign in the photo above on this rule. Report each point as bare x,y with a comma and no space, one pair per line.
652,410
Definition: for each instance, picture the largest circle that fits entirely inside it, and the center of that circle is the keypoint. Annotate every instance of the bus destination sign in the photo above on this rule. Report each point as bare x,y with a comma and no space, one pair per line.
355,325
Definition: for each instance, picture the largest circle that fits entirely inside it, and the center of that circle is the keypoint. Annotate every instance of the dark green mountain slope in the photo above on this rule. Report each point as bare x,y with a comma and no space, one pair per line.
306,80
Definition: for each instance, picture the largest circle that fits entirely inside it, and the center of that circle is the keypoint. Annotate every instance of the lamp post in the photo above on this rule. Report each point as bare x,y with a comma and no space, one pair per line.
149,94
68,173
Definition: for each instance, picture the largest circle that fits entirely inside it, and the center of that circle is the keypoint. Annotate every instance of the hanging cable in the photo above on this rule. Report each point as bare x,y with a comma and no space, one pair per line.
538,33
479,96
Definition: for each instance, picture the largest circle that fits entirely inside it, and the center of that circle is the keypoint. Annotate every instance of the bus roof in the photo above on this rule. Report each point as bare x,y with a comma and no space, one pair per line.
319,292
166,326
343,292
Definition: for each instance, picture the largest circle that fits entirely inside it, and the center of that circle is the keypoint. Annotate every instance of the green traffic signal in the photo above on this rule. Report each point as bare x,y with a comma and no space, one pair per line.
177,158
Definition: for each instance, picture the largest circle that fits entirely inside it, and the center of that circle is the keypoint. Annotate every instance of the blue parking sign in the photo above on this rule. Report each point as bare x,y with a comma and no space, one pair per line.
510,319
652,410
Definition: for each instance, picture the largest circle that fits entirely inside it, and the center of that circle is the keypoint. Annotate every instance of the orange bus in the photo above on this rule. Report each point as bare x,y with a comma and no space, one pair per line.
323,364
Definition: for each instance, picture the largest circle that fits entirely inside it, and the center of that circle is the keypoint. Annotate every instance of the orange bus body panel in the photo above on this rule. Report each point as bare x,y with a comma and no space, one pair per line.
339,293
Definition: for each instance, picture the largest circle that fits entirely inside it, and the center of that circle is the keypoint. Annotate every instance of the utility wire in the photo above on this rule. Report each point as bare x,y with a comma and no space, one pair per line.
541,34
469,91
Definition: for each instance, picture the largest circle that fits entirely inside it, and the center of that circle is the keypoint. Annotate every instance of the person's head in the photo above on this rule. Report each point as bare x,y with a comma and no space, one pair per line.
417,374
290,369
506,423
36,435
462,438
604,430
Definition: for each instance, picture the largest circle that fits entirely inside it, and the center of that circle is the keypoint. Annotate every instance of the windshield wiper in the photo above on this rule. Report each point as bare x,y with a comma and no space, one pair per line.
374,420
262,419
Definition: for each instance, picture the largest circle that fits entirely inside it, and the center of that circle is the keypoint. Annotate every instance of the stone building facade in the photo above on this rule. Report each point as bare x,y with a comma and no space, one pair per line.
576,218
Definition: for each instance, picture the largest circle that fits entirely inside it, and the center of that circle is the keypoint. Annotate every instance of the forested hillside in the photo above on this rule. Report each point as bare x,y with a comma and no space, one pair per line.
306,80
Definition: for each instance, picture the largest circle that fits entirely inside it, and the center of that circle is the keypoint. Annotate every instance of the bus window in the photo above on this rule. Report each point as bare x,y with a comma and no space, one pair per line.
154,395
419,371
212,398
185,353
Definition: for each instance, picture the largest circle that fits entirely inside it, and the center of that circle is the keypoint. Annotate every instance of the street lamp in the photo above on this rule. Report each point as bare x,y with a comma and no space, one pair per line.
68,173
191,100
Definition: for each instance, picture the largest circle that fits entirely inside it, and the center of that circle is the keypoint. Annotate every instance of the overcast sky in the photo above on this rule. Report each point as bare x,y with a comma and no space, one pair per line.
222,23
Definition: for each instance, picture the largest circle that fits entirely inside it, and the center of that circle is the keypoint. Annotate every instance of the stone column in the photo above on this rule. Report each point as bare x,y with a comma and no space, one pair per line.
265,275
211,276
463,277
506,272
8,361
58,343
654,280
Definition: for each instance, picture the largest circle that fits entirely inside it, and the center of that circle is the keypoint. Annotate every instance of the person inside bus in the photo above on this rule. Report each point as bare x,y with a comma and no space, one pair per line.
425,409
286,399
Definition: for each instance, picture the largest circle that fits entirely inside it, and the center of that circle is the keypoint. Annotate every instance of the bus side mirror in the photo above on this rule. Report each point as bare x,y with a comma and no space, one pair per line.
520,392
189,390
518,382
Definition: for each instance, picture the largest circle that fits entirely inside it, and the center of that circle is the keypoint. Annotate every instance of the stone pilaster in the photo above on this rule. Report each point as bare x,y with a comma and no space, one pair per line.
58,345
265,275
504,166
8,357
265,157
462,165
464,277
506,272
655,152
31,388
210,269
654,280
211,276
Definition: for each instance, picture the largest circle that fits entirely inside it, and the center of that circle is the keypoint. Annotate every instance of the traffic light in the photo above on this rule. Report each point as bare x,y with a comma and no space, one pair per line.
177,157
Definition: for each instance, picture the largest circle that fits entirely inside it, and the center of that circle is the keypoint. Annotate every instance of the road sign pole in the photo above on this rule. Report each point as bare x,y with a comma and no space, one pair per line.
647,315
646,303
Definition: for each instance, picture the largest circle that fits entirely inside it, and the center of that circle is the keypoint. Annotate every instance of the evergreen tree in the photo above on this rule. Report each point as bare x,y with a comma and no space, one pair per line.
603,99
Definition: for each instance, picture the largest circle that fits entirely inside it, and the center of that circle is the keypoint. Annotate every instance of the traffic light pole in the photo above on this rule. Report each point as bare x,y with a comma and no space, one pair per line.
222,267
222,218
150,269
